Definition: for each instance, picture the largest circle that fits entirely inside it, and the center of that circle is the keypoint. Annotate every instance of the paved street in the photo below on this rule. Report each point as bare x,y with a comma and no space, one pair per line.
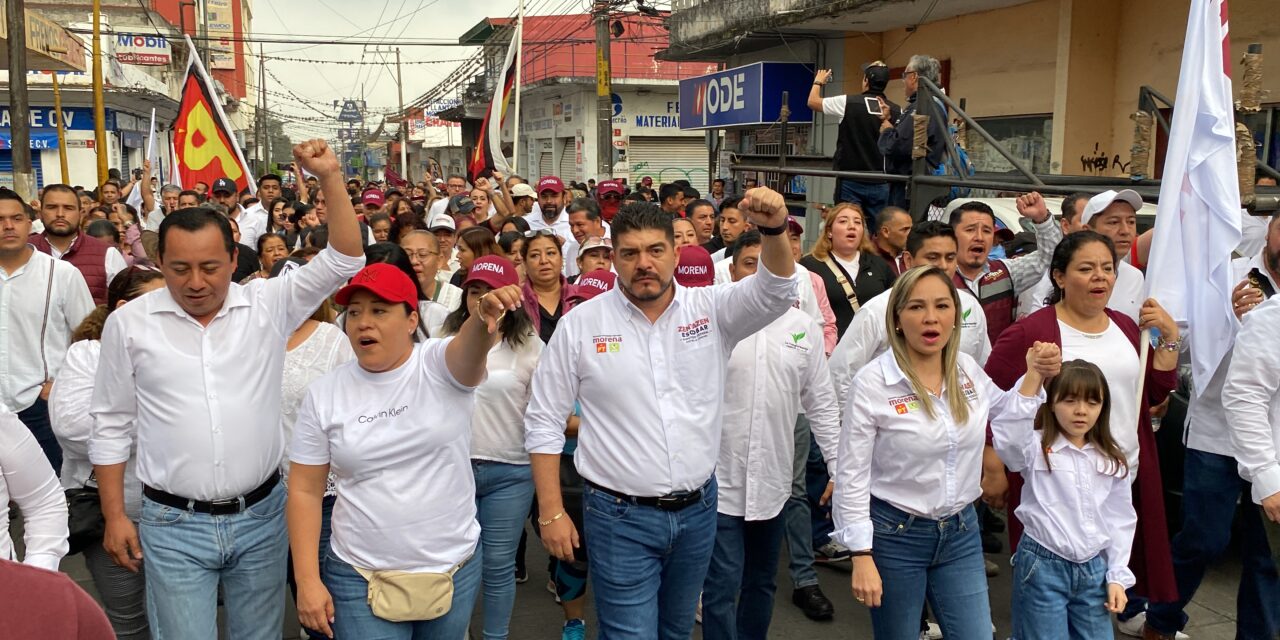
537,617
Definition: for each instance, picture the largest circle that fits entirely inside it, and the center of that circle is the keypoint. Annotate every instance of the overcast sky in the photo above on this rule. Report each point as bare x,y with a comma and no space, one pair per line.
320,84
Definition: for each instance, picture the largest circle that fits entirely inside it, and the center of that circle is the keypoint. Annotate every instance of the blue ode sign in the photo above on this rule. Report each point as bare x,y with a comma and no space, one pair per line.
744,96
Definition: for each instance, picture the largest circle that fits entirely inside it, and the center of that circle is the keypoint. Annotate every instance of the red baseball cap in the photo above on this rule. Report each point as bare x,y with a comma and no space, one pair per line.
552,184
383,280
374,198
609,186
495,271
592,284
794,226
694,268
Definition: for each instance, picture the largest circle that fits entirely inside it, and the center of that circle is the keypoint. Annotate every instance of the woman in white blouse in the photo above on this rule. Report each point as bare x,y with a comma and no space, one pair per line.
910,460
395,427
504,484
123,592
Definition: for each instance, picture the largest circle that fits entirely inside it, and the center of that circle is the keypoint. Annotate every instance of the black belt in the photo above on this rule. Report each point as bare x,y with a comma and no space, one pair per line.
227,507
670,502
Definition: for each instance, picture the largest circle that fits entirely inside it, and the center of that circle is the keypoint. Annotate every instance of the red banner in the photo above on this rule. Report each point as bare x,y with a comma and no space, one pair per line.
204,148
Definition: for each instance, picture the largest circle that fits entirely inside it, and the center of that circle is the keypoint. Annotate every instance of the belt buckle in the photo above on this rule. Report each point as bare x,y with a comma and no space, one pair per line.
232,503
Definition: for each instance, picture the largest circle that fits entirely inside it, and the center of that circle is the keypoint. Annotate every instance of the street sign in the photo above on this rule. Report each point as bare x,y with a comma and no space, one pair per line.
350,112
745,96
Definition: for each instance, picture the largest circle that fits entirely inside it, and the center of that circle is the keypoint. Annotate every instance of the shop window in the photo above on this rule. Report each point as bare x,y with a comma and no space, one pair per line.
1027,137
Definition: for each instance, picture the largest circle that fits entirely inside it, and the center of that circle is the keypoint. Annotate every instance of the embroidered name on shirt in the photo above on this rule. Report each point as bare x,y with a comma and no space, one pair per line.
970,393
905,404
385,413
695,331
607,344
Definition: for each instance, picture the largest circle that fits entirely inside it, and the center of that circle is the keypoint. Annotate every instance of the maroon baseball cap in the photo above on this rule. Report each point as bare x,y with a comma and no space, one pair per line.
552,184
383,280
694,268
495,271
646,181
592,284
609,186
374,198
794,226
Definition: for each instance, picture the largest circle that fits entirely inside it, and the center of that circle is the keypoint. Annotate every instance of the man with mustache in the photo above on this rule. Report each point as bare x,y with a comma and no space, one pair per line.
998,283
647,363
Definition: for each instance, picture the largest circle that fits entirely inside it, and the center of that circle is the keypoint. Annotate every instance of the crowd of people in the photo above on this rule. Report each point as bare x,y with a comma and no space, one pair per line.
370,394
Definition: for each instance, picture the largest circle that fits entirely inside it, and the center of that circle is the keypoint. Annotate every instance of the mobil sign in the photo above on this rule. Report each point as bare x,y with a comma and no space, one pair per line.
143,50
745,96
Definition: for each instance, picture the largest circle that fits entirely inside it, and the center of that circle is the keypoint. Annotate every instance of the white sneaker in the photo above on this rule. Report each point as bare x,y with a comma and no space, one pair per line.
698,614
934,632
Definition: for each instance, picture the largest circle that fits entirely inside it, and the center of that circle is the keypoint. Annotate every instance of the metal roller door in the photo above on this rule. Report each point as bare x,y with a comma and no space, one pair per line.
569,162
668,159
544,166
6,168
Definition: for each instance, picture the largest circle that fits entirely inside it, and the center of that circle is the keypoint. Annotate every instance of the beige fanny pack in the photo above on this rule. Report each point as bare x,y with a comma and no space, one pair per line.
404,596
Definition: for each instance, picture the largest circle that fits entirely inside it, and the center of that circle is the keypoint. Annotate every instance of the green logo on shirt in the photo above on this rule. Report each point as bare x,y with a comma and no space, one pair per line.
966,314
797,337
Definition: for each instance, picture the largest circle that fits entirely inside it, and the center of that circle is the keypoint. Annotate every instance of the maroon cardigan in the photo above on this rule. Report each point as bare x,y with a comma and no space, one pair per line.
1151,561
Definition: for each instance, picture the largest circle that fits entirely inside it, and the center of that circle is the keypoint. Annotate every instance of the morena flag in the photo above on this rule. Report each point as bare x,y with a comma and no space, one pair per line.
487,156
204,149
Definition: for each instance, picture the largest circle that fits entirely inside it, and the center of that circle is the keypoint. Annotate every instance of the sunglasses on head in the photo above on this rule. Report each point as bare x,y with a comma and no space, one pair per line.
540,232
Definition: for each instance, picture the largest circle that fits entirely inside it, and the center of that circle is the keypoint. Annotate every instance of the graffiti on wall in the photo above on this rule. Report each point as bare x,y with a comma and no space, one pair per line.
1100,162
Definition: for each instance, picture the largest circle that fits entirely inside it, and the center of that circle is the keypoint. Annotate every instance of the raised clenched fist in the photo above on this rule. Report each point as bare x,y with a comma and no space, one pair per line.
315,157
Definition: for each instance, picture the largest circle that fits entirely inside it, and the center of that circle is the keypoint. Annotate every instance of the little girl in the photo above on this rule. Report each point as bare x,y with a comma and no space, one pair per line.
1072,564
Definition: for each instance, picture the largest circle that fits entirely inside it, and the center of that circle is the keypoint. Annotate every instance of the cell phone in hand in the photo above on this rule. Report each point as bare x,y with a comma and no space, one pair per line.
137,174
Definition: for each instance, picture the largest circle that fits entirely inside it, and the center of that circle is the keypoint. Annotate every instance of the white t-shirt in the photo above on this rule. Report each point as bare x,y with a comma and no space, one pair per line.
322,351
399,444
1114,354
497,428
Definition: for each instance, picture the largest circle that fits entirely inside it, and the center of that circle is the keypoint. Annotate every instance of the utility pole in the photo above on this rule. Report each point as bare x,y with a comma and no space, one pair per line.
99,109
604,94
259,145
202,27
404,124
62,131
19,109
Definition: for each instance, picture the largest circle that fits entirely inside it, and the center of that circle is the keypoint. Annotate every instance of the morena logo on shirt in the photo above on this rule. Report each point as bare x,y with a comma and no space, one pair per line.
385,413
695,331
905,404
607,344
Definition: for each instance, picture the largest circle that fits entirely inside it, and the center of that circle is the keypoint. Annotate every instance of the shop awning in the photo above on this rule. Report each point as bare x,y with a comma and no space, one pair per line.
49,46
41,138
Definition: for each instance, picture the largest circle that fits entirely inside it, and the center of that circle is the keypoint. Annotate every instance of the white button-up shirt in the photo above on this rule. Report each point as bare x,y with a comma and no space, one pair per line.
868,337
1077,503
774,375
27,480
560,225
1206,427
113,263
204,401
650,393
253,223
1251,397
25,361
893,450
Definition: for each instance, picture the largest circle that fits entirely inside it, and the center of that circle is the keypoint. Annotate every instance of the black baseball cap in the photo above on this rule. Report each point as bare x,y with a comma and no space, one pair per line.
877,75
225,185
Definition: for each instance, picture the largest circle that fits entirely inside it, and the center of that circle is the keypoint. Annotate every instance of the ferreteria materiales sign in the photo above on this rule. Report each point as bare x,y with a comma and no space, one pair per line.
143,50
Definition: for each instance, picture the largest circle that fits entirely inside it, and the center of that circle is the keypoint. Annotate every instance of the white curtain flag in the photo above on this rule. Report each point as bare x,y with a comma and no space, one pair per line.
1198,217
134,198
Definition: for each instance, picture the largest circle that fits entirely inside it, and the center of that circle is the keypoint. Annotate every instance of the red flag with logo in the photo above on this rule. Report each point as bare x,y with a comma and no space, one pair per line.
488,155
204,147
394,179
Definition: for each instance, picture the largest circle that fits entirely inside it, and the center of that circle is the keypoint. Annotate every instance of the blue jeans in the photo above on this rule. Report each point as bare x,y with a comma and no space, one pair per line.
737,598
36,417
872,196
326,531
1057,599
799,527
188,554
815,484
353,618
648,565
503,494
938,559
1210,488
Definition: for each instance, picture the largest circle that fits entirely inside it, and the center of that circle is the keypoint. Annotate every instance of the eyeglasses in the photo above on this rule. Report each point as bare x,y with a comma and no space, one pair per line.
610,196
422,255
533,233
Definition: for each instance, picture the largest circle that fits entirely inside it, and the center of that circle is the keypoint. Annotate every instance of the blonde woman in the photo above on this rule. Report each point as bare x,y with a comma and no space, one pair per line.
847,263
910,462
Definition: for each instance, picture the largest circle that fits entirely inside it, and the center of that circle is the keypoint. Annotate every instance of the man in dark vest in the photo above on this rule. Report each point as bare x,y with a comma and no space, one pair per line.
97,261
857,143
998,283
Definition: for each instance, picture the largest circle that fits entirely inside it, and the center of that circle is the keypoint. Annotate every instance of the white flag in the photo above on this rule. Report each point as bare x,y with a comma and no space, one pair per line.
135,195
1198,218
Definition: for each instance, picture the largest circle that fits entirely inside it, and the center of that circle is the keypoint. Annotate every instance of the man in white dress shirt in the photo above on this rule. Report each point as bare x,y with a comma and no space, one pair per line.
647,362
774,375
178,375
42,301
550,213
